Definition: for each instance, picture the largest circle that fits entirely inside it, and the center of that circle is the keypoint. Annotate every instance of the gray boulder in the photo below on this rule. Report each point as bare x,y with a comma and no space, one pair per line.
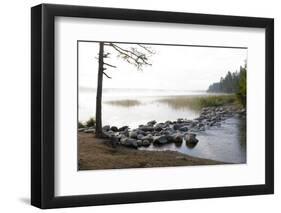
141,132
176,126
132,143
170,138
123,140
81,129
202,128
145,143
162,139
191,138
177,138
108,134
128,142
91,130
158,128
133,134
168,122
123,128
184,128
151,123
148,137
140,136
180,120
106,128
139,142
146,128
114,129
125,132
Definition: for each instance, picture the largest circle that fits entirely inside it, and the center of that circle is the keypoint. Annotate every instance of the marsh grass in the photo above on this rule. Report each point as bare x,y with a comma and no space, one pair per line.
124,103
198,102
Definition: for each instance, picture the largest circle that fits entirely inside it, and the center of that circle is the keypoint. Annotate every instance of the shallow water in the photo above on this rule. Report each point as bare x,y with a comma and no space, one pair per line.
226,143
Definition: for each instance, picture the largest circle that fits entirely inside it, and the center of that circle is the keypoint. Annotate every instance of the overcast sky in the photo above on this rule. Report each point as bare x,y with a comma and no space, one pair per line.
173,67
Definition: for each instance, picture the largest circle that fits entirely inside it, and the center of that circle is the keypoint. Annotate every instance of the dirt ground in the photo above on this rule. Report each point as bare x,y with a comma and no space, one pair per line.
97,153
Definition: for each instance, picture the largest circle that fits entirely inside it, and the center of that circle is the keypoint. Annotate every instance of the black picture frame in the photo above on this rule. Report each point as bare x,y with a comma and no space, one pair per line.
43,110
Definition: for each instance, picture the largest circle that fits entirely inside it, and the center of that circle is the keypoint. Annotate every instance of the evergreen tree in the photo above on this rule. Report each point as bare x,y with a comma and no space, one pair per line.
235,82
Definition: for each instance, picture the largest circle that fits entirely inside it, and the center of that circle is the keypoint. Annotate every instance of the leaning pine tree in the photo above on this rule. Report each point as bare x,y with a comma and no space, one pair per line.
136,55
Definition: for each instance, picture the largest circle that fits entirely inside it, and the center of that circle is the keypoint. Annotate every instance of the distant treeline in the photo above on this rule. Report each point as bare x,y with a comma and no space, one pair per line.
232,83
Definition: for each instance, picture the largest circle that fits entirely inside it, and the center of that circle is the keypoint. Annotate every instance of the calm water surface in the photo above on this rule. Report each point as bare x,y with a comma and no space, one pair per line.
148,109
226,143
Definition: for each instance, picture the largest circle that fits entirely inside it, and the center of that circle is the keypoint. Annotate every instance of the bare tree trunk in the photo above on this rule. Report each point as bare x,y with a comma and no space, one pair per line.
99,93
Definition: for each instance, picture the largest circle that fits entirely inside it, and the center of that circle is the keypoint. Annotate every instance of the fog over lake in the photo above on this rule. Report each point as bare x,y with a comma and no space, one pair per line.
148,107
133,97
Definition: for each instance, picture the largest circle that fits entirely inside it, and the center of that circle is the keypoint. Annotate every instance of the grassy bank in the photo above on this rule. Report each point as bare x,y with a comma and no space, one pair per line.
198,102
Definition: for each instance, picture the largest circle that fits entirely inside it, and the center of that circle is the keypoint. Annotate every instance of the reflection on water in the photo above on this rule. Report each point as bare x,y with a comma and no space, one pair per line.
226,143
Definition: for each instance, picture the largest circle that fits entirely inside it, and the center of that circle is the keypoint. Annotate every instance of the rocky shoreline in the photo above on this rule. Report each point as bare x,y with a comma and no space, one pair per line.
179,131
98,153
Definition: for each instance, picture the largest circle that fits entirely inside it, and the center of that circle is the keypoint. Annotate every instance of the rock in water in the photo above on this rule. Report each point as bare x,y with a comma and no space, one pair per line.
82,129
158,128
162,139
177,138
129,142
123,140
139,143
132,143
148,137
106,128
123,128
170,138
180,120
145,143
191,138
140,136
114,129
184,128
151,123
176,126
90,130
146,128
133,135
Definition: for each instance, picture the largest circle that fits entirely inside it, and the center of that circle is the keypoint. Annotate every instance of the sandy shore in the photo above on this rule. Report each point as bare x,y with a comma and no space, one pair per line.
99,154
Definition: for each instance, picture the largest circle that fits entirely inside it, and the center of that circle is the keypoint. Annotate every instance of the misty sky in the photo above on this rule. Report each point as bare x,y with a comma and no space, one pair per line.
173,67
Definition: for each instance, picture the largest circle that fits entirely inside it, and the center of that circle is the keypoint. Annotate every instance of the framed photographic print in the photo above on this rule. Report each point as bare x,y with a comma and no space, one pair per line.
140,106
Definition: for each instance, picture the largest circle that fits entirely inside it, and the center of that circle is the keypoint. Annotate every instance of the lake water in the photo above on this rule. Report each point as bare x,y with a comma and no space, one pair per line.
148,109
226,143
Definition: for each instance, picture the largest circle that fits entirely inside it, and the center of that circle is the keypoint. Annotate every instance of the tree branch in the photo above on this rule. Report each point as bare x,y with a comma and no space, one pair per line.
106,75
106,55
127,51
146,48
110,65
127,54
